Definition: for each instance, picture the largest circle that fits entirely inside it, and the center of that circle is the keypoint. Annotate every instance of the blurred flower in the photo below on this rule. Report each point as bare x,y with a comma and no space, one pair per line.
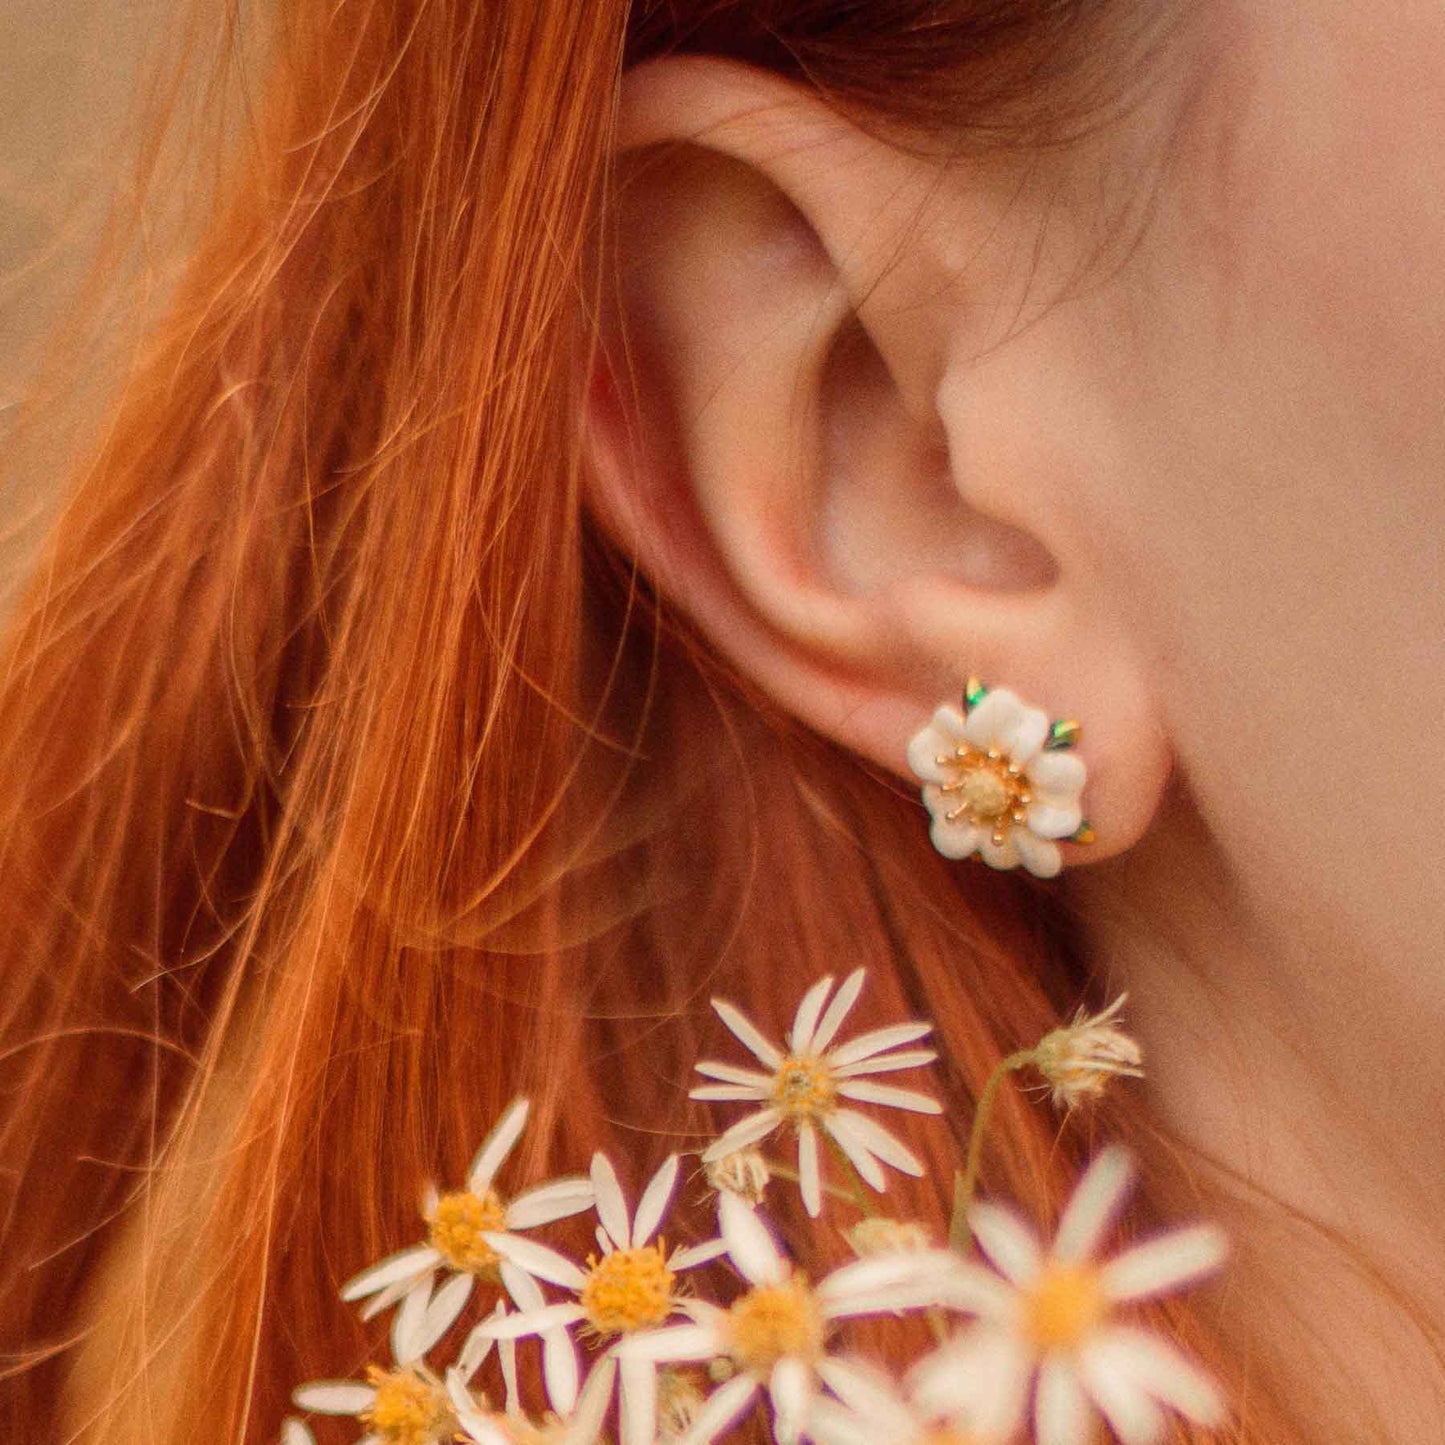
457,1224
1048,1342
744,1173
874,1236
805,1083
869,1408
576,1418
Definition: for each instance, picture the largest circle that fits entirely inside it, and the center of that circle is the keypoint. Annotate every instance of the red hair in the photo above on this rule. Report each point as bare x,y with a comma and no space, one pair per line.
350,785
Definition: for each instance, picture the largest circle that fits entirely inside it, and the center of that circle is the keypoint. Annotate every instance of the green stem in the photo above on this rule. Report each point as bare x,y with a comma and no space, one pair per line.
966,1182
858,1189
781,1171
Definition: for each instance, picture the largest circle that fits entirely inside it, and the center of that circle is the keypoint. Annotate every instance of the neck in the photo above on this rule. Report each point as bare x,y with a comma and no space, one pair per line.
1316,1092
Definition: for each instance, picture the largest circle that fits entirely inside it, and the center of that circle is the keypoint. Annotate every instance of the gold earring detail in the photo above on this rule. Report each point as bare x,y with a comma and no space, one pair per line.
1001,780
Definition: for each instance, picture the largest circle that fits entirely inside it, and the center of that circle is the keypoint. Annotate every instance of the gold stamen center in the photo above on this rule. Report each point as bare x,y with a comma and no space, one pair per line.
1065,1306
407,1410
774,1322
992,792
804,1088
455,1227
629,1289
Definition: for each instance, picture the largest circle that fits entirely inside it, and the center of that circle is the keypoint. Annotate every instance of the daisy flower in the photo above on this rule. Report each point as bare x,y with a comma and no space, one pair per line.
775,1335
630,1286
1048,1340
867,1407
458,1223
1001,781
1079,1060
806,1082
405,1405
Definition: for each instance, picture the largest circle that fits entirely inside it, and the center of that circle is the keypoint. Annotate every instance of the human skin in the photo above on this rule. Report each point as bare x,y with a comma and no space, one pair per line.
1174,468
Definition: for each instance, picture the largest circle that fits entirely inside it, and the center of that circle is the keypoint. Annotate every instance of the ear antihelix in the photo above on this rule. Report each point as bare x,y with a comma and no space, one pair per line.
1001,780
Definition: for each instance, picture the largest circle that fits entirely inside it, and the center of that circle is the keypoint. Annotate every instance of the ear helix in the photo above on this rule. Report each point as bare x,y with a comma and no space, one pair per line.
1001,780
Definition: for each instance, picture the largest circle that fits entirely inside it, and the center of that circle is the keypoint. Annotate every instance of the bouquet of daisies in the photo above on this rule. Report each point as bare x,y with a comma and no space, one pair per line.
1031,1338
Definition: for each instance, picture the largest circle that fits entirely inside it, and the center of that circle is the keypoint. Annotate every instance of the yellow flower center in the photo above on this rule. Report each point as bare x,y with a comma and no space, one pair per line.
992,792
1064,1307
629,1289
456,1225
803,1088
407,1410
775,1322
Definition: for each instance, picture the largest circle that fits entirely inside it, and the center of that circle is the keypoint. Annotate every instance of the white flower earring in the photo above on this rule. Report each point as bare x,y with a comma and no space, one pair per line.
1001,780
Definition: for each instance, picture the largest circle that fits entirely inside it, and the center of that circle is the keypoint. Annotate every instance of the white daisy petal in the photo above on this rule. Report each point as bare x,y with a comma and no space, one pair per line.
887,1063
1131,1414
653,1204
561,1372
880,1273
805,1021
983,1376
750,1244
1095,1205
731,1074
992,719
522,1323
611,1206
839,1009
536,1259
477,1346
560,1199
1041,857
507,1349
810,1181
409,1322
723,1407
728,1094
1009,1244
867,1092
406,1265
1061,1409
1156,1366
867,1046
830,1424
1049,820
675,1344
867,1391
525,1292
842,1127
296,1432
952,840
334,1397
1057,776
444,1311
1167,1263
383,1300
497,1145
590,1412
744,1132
747,1034
877,1140
637,1401
791,1390
696,1254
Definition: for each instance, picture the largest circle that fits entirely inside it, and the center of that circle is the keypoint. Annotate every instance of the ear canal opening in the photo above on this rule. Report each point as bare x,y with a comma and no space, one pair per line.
887,505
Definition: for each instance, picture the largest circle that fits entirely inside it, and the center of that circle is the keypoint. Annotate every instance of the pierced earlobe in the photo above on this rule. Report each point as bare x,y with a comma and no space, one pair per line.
1001,780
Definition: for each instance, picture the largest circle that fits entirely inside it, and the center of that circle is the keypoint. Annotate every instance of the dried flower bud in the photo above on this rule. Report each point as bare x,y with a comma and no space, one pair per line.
679,1398
871,1237
744,1173
1079,1060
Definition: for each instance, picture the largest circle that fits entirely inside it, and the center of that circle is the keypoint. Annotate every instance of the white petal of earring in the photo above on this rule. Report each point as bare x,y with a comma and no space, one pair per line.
1000,780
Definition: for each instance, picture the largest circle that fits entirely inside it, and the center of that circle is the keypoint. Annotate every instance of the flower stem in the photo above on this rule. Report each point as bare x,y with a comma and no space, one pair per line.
966,1181
781,1171
857,1189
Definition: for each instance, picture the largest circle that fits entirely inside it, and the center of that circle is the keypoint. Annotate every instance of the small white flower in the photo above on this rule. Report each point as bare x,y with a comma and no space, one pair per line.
457,1224
775,1336
808,1081
629,1288
1079,1060
994,788
1048,1338
869,1408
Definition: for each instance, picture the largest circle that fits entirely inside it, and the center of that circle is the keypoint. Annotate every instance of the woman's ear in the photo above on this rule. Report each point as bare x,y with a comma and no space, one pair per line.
805,429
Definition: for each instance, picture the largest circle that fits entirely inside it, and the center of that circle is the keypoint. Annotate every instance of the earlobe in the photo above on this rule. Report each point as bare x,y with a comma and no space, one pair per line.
769,436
